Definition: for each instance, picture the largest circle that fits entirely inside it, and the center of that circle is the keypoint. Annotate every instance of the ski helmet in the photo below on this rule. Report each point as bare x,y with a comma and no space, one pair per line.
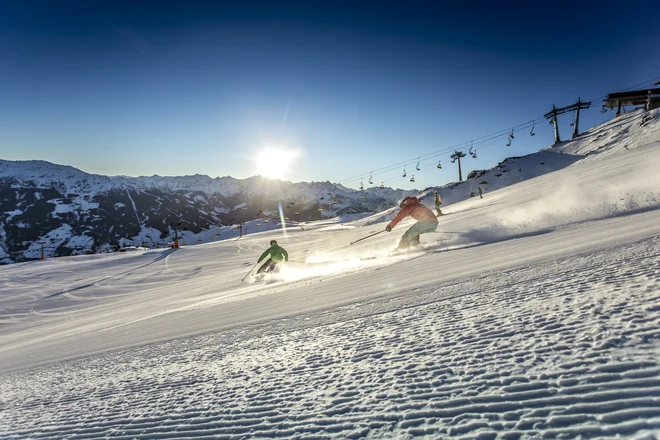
272,242
403,202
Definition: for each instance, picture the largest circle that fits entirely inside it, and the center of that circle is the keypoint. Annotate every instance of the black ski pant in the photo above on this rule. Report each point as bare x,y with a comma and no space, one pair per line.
268,266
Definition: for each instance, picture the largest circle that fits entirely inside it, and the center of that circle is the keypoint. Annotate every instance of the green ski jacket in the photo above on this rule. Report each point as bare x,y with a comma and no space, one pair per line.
277,254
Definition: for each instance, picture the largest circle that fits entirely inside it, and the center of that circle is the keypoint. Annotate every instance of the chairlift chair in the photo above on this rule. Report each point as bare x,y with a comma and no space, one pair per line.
439,165
511,134
417,167
404,172
371,179
508,144
531,132
382,185
474,154
412,179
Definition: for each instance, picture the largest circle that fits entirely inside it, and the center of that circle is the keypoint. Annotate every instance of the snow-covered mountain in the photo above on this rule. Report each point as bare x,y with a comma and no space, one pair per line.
531,313
75,212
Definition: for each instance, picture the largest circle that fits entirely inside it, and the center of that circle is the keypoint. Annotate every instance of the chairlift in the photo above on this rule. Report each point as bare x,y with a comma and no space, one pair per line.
531,132
474,154
508,144
382,185
412,179
417,167
511,134
404,172
603,109
361,184
470,152
371,179
439,165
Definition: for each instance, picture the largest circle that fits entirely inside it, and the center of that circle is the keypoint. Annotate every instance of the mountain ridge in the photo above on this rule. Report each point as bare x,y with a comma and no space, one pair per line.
71,211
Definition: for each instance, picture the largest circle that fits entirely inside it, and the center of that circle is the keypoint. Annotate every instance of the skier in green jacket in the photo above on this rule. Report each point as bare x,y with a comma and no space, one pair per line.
276,253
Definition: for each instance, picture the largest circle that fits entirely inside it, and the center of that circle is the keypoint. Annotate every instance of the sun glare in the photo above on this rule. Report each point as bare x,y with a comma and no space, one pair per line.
275,163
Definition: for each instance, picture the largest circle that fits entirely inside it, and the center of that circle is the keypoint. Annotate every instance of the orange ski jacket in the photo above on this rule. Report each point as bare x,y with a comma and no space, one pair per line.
416,210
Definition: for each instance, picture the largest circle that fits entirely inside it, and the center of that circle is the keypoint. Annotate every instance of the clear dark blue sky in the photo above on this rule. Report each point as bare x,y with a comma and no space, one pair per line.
172,88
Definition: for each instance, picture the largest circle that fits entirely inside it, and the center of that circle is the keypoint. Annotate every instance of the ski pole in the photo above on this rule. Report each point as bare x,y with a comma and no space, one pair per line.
255,265
368,236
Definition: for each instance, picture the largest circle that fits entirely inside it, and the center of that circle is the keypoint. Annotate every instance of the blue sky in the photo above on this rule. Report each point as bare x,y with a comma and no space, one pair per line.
174,88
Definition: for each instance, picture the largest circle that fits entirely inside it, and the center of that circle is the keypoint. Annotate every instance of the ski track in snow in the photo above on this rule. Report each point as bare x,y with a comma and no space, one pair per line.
561,349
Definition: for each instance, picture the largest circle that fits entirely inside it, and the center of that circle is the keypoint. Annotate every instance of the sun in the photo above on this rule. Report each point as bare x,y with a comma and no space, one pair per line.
275,163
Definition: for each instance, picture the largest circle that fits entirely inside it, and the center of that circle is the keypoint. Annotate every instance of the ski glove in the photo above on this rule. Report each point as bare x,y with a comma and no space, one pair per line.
388,228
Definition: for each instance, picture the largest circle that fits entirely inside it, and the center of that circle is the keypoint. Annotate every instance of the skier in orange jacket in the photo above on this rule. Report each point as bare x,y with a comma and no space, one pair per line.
426,221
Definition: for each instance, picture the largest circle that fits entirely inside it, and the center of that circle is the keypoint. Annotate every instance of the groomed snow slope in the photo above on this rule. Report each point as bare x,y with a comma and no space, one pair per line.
534,313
